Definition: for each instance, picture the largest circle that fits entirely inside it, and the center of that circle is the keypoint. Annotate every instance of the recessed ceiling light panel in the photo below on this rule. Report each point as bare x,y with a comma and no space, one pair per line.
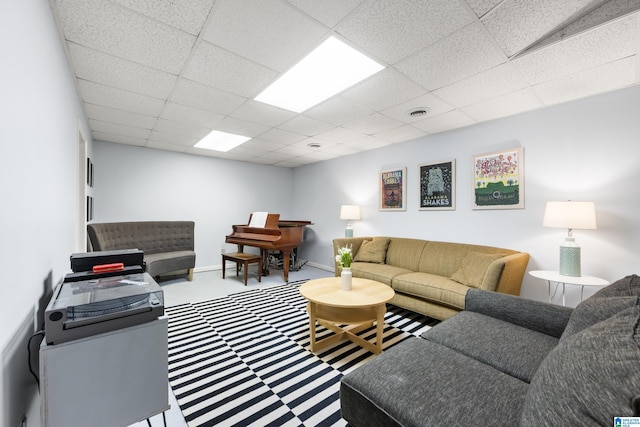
221,141
329,69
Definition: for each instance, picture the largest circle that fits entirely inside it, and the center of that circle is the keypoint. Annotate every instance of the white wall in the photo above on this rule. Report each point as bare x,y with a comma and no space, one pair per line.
40,114
141,184
585,150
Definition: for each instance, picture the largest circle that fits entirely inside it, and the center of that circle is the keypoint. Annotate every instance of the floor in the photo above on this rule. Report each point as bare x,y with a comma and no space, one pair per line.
208,285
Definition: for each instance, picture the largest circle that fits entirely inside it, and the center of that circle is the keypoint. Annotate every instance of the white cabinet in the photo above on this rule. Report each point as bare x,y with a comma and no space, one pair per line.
113,379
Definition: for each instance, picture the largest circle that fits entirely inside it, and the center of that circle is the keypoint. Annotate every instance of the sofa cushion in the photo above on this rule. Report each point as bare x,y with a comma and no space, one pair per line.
625,287
405,253
373,251
473,269
505,346
594,310
382,273
431,287
166,262
422,383
590,377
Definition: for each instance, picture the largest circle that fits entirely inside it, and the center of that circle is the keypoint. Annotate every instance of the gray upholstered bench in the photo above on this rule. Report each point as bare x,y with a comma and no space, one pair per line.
168,246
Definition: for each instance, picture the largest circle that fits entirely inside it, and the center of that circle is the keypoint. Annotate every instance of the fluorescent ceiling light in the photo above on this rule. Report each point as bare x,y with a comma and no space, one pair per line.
330,68
221,141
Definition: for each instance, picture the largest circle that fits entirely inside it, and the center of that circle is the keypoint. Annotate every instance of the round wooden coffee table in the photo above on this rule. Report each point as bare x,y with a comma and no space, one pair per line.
358,308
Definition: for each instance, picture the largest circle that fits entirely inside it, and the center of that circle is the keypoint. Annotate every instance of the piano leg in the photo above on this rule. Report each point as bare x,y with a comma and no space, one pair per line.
286,253
265,261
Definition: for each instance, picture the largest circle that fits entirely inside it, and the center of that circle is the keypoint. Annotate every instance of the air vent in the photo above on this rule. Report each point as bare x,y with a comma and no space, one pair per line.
418,112
314,145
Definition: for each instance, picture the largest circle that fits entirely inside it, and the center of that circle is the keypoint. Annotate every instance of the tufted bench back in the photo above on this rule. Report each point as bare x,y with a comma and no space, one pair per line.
149,236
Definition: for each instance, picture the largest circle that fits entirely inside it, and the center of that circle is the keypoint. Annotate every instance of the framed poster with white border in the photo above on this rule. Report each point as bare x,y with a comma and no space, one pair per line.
498,179
437,186
392,184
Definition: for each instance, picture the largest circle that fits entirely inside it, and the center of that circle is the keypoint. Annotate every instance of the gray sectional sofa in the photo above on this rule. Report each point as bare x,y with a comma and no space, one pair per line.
432,277
168,246
508,361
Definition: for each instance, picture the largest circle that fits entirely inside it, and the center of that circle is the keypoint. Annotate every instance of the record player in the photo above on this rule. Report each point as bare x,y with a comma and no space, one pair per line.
103,301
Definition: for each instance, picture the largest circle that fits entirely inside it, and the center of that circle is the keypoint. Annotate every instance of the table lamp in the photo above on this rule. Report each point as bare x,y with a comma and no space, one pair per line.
349,212
570,215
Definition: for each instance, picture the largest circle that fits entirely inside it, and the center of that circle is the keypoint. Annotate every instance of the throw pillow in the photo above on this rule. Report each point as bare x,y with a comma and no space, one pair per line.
473,268
590,377
373,251
594,310
626,287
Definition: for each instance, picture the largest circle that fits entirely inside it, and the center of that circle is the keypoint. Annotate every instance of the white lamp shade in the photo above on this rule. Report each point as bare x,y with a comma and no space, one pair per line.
580,215
350,212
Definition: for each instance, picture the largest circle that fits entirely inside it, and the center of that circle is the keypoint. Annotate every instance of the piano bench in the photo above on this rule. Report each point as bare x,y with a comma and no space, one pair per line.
240,258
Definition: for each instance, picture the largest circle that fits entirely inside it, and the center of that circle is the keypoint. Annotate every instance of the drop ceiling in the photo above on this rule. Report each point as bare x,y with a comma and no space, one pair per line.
164,73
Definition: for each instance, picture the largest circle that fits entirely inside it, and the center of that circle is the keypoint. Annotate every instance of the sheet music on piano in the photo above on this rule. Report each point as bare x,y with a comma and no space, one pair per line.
258,219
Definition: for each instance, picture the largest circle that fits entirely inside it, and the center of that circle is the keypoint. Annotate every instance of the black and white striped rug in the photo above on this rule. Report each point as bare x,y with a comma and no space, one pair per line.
244,359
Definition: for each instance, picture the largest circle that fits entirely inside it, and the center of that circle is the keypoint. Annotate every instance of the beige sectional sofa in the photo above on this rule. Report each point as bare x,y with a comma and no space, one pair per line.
433,278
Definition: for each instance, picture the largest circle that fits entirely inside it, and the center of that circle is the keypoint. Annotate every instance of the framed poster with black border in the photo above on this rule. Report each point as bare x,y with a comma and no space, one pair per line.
437,186
498,179
392,184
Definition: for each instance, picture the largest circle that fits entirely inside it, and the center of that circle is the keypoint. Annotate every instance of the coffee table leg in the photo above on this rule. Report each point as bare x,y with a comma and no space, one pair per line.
311,308
382,309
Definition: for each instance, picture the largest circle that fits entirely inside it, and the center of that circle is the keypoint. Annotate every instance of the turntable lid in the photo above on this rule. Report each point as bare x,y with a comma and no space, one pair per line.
73,294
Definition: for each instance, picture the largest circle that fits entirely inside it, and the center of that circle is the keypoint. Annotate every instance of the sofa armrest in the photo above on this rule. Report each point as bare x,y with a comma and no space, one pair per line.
515,266
355,242
538,316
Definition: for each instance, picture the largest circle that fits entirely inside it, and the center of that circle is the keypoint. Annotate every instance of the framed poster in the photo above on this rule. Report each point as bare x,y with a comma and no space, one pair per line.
393,189
498,180
438,186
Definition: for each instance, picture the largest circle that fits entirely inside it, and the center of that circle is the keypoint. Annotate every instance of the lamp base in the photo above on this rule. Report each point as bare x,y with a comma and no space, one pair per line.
348,232
570,258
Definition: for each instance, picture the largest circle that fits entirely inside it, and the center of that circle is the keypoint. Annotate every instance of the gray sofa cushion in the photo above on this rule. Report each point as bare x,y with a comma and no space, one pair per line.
166,262
422,383
509,348
589,378
594,310
628,286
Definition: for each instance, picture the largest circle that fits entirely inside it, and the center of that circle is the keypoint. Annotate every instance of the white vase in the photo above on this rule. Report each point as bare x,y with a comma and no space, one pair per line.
345,279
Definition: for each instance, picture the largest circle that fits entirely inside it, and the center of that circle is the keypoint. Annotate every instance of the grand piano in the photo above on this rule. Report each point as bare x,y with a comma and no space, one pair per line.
283,236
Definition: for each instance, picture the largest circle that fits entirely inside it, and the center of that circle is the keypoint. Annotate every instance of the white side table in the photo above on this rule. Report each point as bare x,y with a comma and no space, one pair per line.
554,276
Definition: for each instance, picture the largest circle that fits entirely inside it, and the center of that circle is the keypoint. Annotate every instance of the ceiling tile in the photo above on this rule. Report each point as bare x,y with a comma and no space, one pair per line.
607,43
187,15
239,26
497,81
168,147
329,12
367,143
307,126
120,117
372,124
601,79
214,66
401,134
261,113
383,90
516,24
116,129
392,30
339,135
434,105
180,128
337,111
241,127
94,93
461,55
172,138
119,139
108,70
503,106
480,7
121,32
282,136
444,122
263,145
204,97
194,116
